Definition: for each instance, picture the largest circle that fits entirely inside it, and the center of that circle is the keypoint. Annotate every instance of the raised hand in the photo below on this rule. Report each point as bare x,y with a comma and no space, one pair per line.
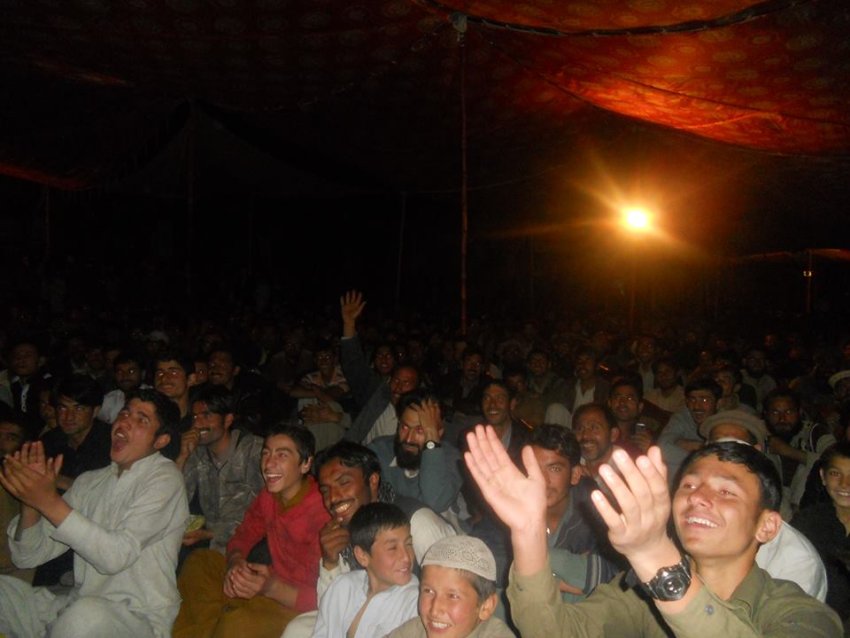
351,306
430,419
639,530
517,499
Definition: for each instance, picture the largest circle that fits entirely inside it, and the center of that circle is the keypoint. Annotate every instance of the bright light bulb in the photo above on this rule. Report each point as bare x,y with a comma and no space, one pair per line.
637,218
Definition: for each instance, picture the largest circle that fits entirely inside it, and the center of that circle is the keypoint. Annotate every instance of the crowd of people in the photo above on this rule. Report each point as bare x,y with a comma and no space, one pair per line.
374,477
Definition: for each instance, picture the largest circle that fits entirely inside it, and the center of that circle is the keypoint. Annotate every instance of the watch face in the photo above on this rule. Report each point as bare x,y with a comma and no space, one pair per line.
675,584
670,583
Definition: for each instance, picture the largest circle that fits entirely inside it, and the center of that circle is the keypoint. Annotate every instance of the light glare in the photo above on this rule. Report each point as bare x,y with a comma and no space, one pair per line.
637,218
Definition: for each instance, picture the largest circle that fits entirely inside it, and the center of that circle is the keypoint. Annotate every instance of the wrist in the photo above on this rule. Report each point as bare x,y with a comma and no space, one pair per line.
647,562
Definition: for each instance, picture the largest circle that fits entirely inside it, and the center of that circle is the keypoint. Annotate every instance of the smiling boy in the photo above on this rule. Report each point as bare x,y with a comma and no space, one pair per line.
457,593
124,523
234,596
725,506
378,598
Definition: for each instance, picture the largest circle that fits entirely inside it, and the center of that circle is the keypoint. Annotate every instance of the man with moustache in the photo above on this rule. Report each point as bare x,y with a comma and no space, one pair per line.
349,476
124,523
221,464
418,463
681,434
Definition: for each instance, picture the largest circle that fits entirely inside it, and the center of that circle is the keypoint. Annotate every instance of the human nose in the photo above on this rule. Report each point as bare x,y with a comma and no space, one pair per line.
699,496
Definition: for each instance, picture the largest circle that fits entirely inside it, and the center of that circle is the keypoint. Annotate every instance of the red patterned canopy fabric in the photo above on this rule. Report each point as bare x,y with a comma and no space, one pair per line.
94,88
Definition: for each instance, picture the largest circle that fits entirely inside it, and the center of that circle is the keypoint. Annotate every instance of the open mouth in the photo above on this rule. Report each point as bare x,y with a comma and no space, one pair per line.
698,521
342,510
272,479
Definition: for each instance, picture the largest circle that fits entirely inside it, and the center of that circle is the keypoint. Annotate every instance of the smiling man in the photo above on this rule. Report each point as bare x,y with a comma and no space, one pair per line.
418,463
221,464
724,507
124,523
230,596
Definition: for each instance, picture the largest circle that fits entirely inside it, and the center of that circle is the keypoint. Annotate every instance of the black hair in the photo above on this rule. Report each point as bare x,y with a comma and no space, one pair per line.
167,412
842,448
628,381
586,351
235,356
731,369
748,456
350,454
782,393
538,351
80,389
370,520
664,361
217,398
414,397
498,383
304,440
23,340
704,383
129,356
610,418
183,360
470,351
557,439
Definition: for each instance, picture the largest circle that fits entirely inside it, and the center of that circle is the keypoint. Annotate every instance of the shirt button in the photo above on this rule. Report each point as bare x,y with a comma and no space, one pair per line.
709,609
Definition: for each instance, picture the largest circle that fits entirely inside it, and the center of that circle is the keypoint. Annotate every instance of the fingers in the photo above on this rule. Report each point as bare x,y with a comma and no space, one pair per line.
487,450
54,465
641,493
532,467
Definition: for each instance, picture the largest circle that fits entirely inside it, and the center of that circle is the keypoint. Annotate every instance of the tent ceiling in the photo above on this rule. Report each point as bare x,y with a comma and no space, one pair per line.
370,92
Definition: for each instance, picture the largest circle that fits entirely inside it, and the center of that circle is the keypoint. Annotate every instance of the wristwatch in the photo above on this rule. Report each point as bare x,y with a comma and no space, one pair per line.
670,583
431,445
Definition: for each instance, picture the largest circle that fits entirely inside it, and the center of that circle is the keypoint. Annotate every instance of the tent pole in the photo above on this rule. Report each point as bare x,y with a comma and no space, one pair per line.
459,22
809,274
190,197
400,249
47,202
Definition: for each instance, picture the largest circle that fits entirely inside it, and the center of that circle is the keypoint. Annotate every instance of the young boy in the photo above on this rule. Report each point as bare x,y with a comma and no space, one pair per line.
235,596
457,594
374,600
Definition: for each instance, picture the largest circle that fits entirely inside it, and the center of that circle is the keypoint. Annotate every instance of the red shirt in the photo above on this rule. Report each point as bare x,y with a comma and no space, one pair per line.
292,531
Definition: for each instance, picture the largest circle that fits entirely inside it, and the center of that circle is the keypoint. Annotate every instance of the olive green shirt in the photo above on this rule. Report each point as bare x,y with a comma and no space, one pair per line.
490,628
760,606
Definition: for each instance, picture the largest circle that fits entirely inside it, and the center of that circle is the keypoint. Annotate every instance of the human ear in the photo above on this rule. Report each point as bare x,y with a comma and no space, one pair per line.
306,465
575,475
768,526
161,441
486,609
361,556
